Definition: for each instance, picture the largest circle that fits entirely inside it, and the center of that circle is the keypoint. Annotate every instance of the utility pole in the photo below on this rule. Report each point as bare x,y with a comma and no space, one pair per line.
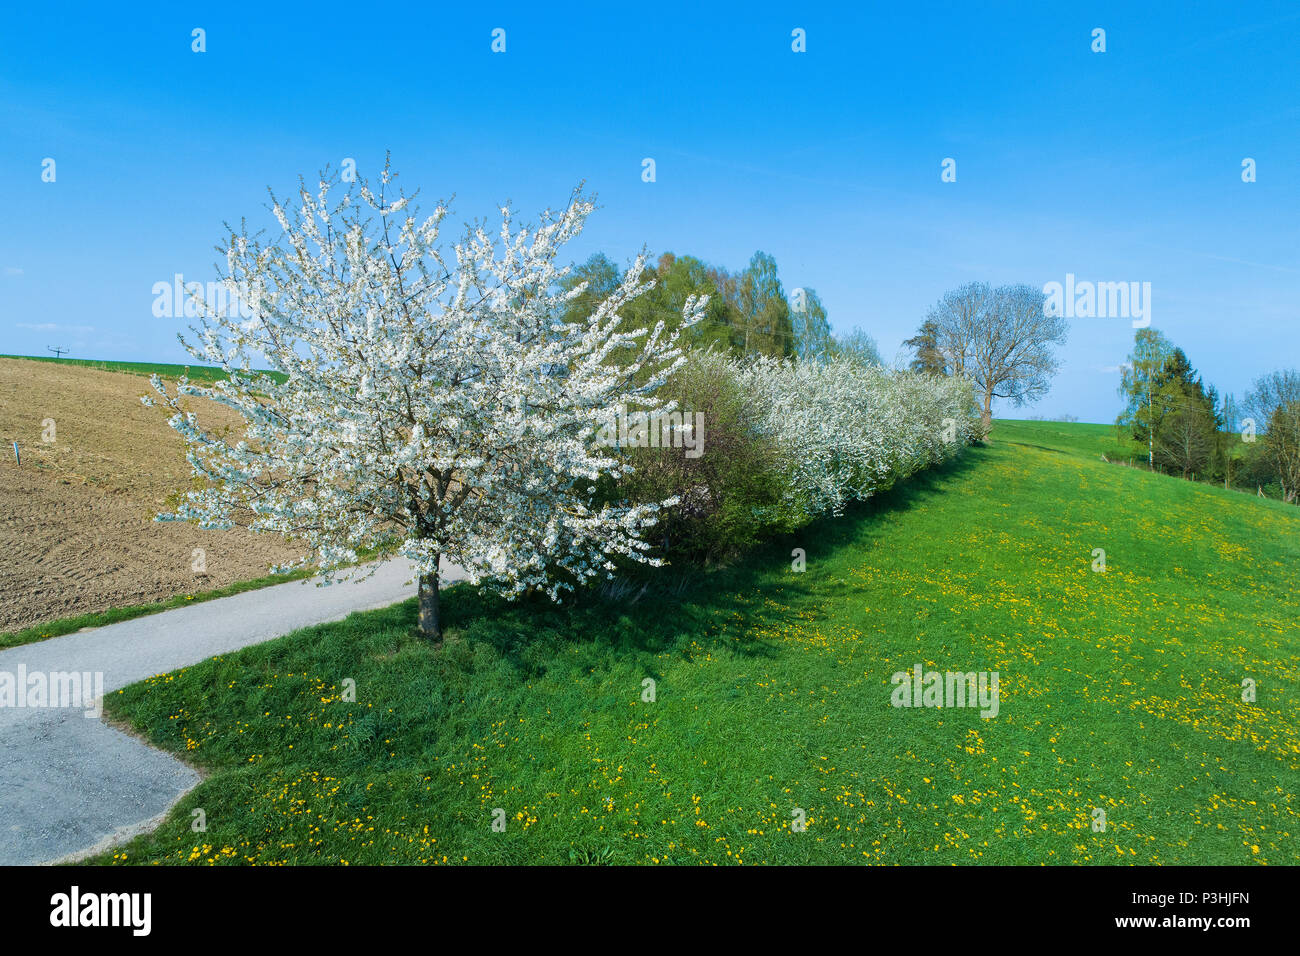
1151,425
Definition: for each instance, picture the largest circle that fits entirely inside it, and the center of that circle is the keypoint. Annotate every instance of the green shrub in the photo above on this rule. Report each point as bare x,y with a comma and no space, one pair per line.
730,496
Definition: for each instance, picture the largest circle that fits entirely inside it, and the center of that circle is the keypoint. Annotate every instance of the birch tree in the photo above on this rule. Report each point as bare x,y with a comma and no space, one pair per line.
431,405
1146,404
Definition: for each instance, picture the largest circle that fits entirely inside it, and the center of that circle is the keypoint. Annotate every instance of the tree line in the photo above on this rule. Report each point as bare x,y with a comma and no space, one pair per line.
749,312
1003,340
1190,430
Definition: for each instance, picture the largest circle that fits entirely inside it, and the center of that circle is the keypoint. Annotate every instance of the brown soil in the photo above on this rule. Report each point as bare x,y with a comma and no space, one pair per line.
76,519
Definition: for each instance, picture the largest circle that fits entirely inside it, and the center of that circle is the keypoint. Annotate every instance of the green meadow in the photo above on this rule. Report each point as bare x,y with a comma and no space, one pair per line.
201,374
771,737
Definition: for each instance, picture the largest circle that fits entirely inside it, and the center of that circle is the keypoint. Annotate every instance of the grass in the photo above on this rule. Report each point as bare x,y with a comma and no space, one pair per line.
1075,438
196,373
1120,691
67,625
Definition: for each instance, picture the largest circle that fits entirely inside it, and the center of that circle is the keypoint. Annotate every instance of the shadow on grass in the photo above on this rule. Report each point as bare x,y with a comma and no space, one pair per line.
1026,444
420,706
687,609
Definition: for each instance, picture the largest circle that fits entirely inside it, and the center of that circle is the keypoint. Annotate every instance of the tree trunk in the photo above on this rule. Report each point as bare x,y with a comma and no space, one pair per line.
986,416
1151,436
430,625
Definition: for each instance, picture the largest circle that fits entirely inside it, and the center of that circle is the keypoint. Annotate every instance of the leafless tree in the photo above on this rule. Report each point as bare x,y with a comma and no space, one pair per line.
1001,339
1274,404
1187,441
956,319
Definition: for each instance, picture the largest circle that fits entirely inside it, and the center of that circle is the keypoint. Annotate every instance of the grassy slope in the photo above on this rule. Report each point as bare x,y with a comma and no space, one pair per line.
1077,438
1119,690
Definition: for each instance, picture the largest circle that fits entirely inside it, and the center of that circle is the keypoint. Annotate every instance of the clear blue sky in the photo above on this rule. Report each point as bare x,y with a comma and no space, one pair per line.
1122,166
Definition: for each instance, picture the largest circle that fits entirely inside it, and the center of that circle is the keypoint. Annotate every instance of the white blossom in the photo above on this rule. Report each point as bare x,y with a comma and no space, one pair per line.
845,431
433,405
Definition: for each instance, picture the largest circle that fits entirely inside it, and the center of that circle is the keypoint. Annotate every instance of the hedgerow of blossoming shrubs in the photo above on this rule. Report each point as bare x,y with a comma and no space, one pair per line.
785,442
729,495
846,430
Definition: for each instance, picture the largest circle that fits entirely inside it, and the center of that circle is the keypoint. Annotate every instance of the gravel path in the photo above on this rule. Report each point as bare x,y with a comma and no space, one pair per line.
68,782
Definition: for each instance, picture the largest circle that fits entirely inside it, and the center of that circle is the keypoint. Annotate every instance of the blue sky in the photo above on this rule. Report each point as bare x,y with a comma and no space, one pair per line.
1115,166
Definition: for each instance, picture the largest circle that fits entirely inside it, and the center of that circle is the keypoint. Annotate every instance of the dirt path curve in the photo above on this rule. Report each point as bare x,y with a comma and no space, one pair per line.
69,782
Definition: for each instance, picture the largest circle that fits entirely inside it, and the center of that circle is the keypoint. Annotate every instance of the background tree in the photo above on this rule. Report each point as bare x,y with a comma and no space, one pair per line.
1274,403
812,328
1001,340
670,283
678,278
856,346
1142,412
728,290
1171,409
766,328
598,277
1186,442
1186,434
1231,412
926,357
428,410
747,313
956,320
